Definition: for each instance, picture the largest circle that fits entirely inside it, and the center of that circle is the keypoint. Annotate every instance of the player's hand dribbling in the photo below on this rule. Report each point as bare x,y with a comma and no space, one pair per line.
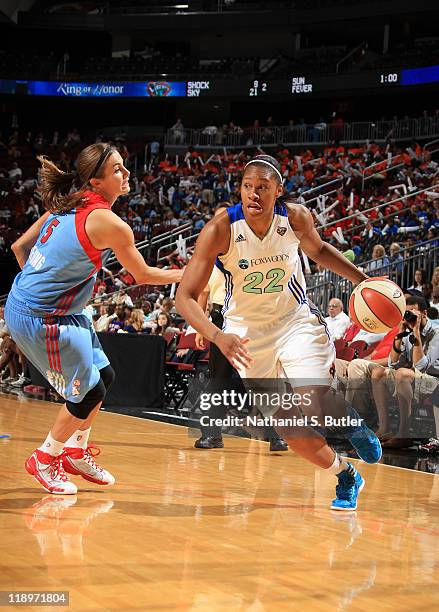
233,347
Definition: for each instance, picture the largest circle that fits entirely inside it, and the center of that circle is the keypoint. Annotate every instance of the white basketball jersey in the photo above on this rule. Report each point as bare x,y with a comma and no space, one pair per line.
263,277
217,289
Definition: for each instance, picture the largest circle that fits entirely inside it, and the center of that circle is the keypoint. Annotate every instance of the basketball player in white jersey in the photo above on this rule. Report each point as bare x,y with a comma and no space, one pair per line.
270,329
221,372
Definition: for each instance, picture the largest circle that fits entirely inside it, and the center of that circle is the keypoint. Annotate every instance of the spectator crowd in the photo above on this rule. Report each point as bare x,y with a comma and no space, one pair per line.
371,201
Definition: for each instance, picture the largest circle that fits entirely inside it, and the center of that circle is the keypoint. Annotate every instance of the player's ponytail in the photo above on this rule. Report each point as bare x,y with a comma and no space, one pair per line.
55,186
61,191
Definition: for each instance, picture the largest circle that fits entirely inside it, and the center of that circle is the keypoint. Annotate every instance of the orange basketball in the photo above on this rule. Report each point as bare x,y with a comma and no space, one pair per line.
377,305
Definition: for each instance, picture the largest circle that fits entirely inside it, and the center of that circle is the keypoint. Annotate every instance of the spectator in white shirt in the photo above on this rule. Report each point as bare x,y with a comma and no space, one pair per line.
107,314
123,299
15,173
337,321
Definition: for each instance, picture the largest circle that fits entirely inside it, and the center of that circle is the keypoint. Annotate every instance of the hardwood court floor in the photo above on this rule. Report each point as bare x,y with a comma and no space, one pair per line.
233,529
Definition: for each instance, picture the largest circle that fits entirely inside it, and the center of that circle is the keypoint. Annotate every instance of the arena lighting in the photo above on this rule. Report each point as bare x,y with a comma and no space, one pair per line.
181,6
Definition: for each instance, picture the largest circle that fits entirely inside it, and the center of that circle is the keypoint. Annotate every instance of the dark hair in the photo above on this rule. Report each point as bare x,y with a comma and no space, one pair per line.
423,274
146,304
120,312
432,313
420,302
161,329
263,161
427,290
55,186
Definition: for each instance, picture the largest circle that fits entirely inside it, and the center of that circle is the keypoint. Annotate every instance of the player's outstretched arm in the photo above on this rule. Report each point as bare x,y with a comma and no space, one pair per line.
23,245
107,231
315,248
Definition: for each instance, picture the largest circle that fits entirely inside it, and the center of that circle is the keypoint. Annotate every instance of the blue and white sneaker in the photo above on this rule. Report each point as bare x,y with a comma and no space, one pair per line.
363,439
350,483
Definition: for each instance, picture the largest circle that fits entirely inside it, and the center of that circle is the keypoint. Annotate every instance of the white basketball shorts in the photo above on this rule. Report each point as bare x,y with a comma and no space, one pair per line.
297,347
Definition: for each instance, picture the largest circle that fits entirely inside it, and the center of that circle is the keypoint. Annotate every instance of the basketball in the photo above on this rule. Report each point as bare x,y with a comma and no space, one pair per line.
377,305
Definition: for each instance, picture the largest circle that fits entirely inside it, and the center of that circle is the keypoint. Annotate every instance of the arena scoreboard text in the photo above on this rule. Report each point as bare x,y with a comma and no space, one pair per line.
297,85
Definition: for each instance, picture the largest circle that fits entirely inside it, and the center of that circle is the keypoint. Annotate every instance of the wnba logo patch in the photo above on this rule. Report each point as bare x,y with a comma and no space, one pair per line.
281,230
243,264
76,387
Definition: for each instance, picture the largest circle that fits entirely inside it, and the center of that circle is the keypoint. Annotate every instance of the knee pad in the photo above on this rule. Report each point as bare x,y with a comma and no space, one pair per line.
82,409
107,376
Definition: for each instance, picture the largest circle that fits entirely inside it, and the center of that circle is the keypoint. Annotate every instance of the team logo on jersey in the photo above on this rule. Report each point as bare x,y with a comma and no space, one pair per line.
243,264
397,293
240,238
281,230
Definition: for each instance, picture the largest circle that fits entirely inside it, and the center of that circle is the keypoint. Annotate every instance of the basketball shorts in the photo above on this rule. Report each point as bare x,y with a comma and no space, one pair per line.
65,349
297,347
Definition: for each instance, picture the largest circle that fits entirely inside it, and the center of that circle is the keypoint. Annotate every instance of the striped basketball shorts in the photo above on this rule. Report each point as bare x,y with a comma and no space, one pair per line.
65,349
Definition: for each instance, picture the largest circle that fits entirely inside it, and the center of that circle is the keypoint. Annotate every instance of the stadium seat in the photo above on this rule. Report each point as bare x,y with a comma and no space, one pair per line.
178,375
346,353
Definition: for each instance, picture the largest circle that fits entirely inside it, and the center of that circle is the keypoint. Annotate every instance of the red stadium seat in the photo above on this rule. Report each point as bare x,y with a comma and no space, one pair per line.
178,375
358,346
347,354
368,350
340,344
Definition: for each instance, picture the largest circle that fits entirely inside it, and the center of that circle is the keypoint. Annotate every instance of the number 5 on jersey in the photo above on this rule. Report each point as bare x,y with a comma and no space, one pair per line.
49,231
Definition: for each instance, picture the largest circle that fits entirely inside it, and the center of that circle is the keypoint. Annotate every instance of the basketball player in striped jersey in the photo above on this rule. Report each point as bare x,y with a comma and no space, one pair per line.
270,329
60,256
221,372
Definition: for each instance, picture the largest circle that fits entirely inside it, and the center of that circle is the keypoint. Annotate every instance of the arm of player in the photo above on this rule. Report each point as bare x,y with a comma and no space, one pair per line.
107,231
212,241
319,251
23,245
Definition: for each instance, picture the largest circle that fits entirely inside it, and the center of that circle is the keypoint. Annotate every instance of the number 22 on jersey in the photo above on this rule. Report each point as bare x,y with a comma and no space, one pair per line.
256,278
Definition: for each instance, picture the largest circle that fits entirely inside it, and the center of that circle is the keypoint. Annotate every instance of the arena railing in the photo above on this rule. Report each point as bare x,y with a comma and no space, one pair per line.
167,238
429,190
323,286
306,134
432,143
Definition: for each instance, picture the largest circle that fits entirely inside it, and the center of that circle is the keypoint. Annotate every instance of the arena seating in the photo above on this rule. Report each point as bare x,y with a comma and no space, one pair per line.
385,181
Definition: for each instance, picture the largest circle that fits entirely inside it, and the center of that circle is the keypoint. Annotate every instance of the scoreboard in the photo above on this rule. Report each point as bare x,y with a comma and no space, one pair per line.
295,85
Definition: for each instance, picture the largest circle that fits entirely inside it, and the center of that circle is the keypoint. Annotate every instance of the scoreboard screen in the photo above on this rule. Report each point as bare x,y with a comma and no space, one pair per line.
297,85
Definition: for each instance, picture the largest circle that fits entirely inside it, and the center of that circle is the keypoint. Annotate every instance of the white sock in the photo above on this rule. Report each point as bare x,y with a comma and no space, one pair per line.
51,446
79,439
339,465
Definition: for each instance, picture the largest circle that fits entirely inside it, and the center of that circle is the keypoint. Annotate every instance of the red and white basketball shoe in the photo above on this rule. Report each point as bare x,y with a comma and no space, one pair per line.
49,472
80,462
